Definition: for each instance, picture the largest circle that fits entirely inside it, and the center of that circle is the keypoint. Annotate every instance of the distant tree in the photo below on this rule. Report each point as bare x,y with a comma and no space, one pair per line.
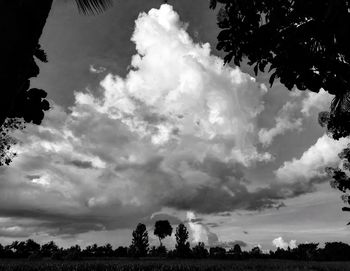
256,252
108,250
217,252
121,252
24,249
237,249
87,251
153,251
199,251
162,229
48,249
336,251
303,43
73,253
182,247
139,245
235,252
306,251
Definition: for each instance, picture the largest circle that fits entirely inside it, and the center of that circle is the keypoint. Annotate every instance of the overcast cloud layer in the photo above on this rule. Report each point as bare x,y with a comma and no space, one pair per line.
178,132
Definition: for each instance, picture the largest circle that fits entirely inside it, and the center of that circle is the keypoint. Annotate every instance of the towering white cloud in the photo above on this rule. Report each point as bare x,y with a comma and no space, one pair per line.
200,232
177,91
180,123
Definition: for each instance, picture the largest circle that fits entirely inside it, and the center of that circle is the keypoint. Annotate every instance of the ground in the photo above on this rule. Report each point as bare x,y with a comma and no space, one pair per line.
171,265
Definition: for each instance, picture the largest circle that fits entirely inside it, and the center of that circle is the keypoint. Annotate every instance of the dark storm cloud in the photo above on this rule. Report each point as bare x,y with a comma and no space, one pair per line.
231,244
225,214
32,177
64,224
231,194
80,164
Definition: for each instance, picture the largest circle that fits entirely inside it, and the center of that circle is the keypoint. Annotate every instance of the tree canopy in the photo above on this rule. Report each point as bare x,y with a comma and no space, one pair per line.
139,245
162,229
303,43
182,246
21,24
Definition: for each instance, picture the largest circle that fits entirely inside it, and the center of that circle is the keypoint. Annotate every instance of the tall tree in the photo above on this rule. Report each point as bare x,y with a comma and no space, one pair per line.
237,249
182,246
303,43
139,245
162,229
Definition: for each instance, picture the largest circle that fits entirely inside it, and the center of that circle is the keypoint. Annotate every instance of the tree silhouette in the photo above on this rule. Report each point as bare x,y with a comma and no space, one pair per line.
336,251
162,229
306,251
48,249
139,245
305,44
199,251
22,23
237,249
182,246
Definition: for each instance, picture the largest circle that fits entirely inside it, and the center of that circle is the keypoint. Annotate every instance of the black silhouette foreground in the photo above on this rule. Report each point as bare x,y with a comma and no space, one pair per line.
139,249
21,25
304,44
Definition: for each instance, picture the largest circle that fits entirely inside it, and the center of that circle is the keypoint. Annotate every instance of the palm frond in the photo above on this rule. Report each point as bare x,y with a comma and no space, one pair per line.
93,6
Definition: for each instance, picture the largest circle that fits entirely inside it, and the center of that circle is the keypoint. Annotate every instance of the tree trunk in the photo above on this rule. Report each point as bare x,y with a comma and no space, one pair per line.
21,25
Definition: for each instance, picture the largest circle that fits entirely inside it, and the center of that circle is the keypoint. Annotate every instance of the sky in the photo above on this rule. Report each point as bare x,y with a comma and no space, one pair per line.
147,124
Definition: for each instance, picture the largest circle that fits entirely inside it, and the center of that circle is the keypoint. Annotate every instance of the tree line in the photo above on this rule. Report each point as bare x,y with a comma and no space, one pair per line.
139,247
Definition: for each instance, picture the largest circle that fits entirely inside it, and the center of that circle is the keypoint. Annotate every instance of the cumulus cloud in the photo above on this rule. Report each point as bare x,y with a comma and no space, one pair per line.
285,121
291,115
280,243
313,161
316,102
176,132
200,232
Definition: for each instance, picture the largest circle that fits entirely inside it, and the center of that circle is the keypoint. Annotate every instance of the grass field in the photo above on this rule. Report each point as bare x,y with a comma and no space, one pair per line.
173,265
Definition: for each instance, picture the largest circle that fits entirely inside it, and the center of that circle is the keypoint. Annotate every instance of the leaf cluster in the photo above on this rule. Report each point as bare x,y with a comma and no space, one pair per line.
304,43
7,141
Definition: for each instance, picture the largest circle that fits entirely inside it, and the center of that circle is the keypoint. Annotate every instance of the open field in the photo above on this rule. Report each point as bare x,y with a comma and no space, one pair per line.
173,265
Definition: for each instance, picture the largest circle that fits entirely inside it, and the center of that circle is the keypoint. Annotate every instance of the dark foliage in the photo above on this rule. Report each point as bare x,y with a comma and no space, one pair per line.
332,251
217,252
305,44
93,6
199,251
182,247
139,245
121,252
7,140
22,23
162,229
